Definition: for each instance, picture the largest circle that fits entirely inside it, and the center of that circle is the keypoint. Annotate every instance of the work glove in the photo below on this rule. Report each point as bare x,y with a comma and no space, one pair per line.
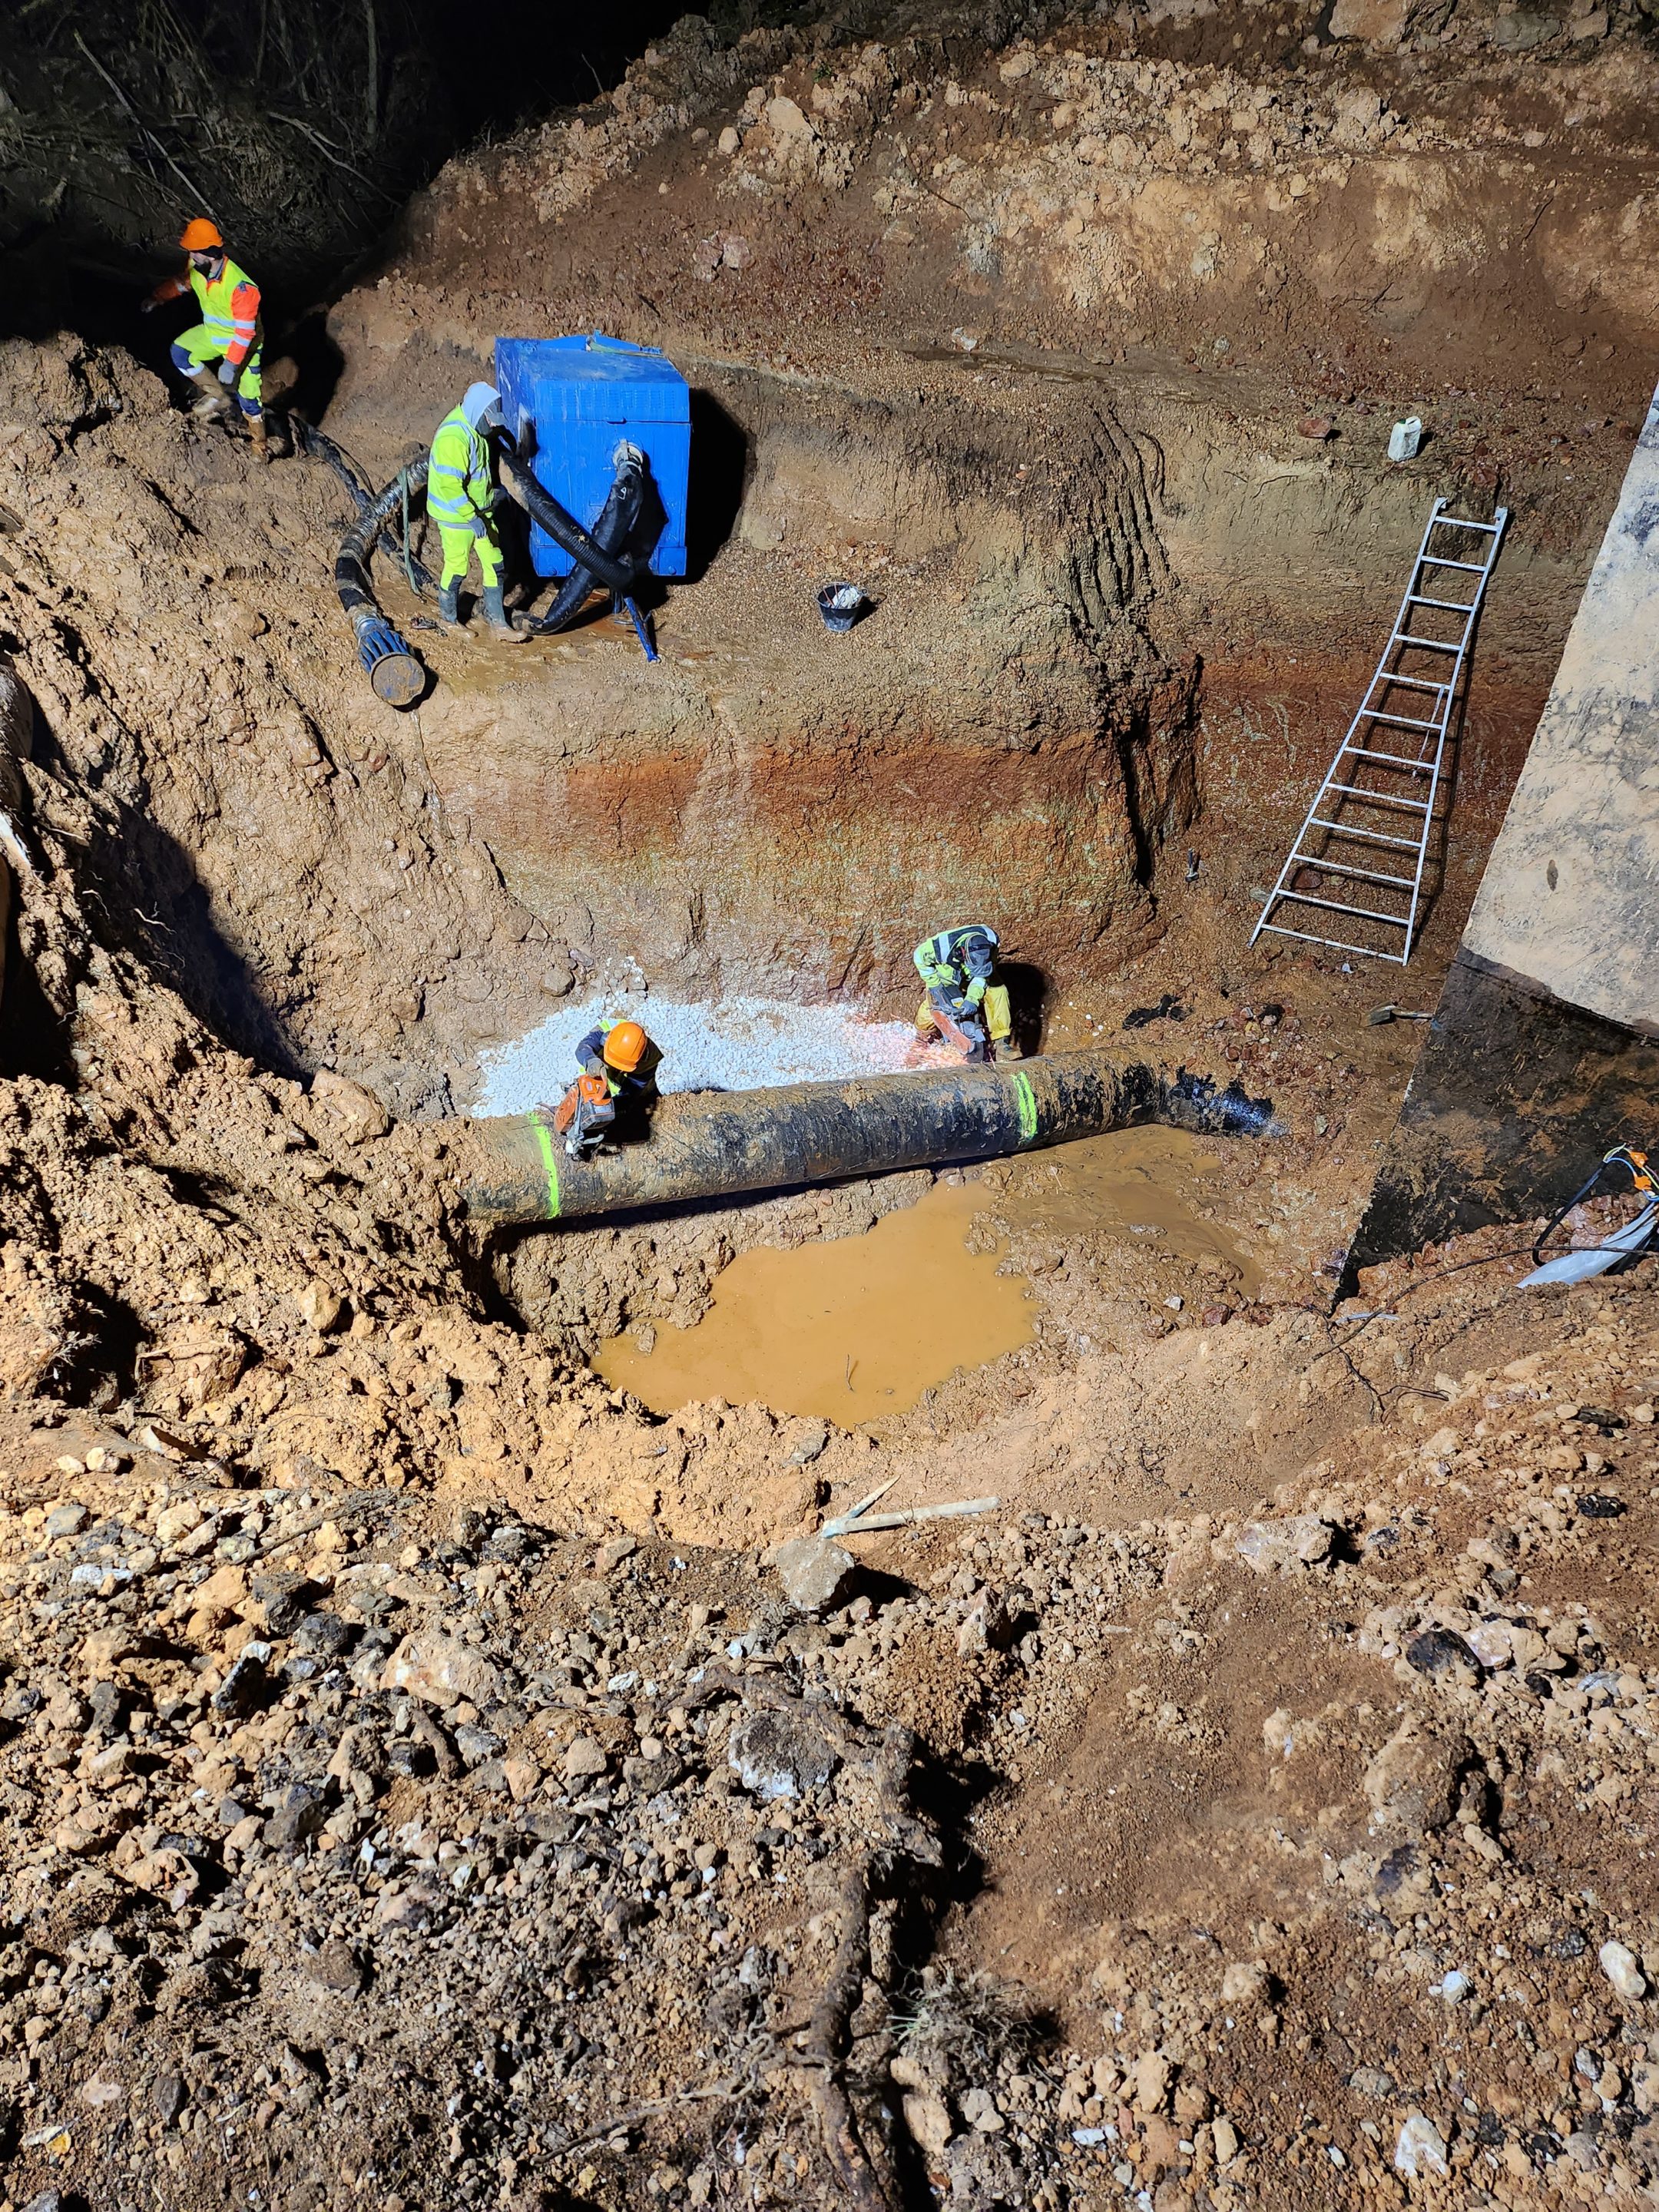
229,371
499,498
147,306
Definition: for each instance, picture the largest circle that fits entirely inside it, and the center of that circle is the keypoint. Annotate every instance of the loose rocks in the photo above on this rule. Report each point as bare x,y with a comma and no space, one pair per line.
441,1671
1271,1547
1413,1782
779,1755
814,1572
1421,2148
1619,1965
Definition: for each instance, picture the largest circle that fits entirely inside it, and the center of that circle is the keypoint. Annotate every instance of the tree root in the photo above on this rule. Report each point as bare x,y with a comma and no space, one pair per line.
637,2115
887,1757
827,2040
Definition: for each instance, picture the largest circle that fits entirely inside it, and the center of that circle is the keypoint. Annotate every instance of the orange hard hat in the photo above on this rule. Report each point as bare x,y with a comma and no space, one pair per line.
200,235
625,1048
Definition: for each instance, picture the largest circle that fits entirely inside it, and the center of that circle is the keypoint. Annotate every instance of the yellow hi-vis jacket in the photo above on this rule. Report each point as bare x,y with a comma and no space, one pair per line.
230,307
958,962
458,486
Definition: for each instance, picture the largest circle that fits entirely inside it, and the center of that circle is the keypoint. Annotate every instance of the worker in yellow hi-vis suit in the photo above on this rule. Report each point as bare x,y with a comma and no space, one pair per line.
461,499
962,1005
230,332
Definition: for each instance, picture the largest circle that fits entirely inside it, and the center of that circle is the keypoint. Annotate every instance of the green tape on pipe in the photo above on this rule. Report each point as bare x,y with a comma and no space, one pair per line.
1025,1099
551,1162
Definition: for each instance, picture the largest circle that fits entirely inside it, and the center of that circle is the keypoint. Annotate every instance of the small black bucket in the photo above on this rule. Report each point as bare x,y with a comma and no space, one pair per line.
841,605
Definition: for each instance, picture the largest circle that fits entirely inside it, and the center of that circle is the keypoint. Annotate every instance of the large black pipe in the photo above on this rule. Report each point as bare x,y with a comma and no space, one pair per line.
618,519
710,1143
614,570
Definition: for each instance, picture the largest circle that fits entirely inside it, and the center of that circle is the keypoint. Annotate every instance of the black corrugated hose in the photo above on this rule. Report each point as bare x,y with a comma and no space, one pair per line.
606,564
618,518
317,445
600,555
396,676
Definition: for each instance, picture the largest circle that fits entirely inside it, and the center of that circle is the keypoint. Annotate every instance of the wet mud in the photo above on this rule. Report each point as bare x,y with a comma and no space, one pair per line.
858,1329
852,1331
1142,1188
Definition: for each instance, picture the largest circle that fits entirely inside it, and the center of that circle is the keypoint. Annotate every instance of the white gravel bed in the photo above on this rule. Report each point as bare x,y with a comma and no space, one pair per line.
731,1045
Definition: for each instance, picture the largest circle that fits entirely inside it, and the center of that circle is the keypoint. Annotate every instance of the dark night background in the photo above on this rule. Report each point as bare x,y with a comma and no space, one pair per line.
302,125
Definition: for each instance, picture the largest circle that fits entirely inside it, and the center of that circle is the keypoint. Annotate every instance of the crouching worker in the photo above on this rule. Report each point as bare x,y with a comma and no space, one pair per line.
962,1005
223,350
615,1091
461,499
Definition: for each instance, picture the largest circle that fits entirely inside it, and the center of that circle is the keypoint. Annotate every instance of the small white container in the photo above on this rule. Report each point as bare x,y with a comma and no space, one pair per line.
1405,438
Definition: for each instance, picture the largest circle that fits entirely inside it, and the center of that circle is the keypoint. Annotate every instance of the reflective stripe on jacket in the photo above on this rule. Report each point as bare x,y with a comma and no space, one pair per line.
958,961
458,487
230,309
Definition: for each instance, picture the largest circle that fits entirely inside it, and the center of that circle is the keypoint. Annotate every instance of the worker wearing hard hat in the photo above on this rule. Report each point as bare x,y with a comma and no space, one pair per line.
617,1085
230,334
962,1005
461,499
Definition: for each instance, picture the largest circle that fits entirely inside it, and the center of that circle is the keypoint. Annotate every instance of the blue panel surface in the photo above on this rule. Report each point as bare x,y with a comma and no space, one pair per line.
569,403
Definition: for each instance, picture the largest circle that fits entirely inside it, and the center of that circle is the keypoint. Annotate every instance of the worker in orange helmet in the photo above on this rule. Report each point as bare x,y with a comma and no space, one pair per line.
617,1085
229,333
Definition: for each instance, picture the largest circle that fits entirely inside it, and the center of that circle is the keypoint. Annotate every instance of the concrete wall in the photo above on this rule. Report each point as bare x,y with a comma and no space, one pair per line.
1568,899
1543,1054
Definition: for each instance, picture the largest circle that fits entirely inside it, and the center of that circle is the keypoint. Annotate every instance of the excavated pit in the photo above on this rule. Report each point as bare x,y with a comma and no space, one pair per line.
1118,622
1236,1815
771,807
1118,628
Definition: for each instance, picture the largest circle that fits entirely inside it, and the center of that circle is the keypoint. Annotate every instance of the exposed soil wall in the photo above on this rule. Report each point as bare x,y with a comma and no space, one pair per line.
1127,565
1003,732
253,833
422,1781
1397,196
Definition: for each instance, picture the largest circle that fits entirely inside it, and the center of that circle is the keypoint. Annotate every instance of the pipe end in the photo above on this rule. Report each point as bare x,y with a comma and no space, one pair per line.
399,678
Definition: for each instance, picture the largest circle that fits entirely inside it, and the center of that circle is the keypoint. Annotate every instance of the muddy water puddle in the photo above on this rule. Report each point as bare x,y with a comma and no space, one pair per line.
856,1330
853,1330
1146,1187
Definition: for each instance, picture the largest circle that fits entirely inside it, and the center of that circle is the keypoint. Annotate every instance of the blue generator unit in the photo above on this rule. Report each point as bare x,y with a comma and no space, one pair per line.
569,403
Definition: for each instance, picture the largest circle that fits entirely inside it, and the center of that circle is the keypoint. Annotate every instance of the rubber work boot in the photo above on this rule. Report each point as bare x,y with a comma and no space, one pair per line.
259,438
215,402
449,605
1006,1048
500,622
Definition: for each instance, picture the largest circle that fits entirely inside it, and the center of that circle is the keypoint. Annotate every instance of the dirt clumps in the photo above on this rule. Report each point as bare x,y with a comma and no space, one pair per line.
362,1784
424,1776
413,1766
257,838
1156,174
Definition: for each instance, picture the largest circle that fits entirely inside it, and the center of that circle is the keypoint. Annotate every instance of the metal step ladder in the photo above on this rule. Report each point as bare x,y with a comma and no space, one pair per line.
1378,802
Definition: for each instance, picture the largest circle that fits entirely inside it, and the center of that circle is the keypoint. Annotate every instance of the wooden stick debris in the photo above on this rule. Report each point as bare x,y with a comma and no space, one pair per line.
855,1512
636,2115
345,1507
12,845
852,1524
325,148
